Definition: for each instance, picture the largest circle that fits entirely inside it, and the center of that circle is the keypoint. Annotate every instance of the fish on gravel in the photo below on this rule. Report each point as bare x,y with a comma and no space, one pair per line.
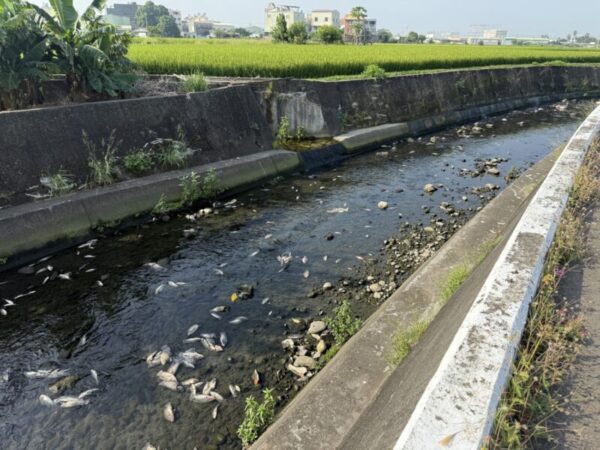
238,320
171,385
191,330
165,355
215,411
189,382
71,402
218,397
209,386
173,368
166,376
47,374
168,413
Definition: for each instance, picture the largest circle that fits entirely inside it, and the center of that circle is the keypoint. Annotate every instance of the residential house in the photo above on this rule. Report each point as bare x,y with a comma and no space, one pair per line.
369,29
292,14
321,17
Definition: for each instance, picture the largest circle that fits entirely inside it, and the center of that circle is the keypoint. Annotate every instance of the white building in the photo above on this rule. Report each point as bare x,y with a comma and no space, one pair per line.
292,14
495,34
321,17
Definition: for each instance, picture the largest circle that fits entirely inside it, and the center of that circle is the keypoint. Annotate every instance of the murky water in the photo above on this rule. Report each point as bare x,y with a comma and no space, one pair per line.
124,320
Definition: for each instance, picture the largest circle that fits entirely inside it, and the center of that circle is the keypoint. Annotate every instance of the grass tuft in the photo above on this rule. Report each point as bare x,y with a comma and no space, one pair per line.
404,341
257,417
102,159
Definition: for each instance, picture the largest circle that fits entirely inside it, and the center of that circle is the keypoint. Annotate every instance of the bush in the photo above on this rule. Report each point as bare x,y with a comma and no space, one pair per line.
257,416
138,162
374,71
195,83
328,34
343,325
297,33
102,160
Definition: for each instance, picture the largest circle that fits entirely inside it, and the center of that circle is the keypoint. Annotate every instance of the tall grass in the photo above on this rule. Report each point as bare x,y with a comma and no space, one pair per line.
261,58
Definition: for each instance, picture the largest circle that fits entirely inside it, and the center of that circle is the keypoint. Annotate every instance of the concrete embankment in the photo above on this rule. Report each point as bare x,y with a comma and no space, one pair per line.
324,412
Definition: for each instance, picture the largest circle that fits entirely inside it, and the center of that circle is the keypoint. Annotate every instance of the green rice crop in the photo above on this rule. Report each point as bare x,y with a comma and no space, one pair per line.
248,58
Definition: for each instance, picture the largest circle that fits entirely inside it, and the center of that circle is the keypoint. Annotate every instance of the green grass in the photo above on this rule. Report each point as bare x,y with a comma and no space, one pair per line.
195,82
257,416
404,340
250,58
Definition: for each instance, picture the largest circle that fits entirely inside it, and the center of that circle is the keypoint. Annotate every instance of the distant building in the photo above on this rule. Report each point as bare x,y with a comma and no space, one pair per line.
292,14
177,16
121,23
495,34
321,17
127,10
369,29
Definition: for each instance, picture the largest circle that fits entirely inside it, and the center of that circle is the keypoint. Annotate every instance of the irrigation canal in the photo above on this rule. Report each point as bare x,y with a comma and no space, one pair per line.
104,307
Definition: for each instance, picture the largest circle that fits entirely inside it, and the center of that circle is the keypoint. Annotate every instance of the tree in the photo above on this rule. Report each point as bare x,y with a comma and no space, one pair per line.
149,14
280,31
167,27
297,33
385,36
358,14
413,37
241,32
328,34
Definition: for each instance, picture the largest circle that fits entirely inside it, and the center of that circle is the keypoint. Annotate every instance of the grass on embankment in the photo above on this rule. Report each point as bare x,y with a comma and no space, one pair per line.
553,333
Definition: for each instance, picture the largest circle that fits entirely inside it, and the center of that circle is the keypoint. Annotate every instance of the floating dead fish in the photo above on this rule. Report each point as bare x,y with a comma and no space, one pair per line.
95,376
223,339
171,385
208,335
3,312
268,236
238,320
173,368
216,316
234,389
304,260
191,330
89,244
71,402
210,345
165,355
46,401
83,340
337,210
215,411
99,283
285,259
253,254
325,258
219,272
168,413
306,274
65,276
47,374
89,256
191,340
219,309
265,300
208,387
149,446
153,359
255,377
87,393
173,284
218,397
189,382
154,266
27,294
360,258
202,398
166,376
189,357
159,289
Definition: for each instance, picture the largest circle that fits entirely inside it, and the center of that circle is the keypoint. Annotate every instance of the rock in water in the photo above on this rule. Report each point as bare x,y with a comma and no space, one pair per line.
168,413
382,205
305,361
429,188
255,378
321,346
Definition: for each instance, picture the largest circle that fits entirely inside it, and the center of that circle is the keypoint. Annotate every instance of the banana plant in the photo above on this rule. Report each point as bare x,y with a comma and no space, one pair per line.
24,55
83,45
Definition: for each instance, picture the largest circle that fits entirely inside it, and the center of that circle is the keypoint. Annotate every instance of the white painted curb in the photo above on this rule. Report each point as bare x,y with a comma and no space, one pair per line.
458,406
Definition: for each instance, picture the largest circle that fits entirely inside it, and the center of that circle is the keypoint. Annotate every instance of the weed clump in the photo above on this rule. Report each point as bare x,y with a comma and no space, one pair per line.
195,82
139,162
257,416
374,71
102,159
58,184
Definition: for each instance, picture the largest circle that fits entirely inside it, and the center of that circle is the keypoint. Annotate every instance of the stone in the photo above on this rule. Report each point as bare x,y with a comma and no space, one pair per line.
305,361
316,327
299,371
321,346
287,344
429,230
429,188
375,287
382,205
493,171
327,286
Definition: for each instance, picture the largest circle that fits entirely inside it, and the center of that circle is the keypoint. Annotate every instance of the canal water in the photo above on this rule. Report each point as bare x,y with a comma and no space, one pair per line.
102,307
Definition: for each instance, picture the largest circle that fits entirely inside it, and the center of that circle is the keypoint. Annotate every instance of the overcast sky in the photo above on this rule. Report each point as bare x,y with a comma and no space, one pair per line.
519,17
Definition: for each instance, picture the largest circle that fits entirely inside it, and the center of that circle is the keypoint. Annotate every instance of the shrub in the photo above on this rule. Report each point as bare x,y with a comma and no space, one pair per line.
343,325
297,33
102,160
328,34
58,184
374,71
138,162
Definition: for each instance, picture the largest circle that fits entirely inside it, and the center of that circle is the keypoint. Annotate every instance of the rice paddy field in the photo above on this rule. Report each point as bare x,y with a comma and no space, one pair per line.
249,58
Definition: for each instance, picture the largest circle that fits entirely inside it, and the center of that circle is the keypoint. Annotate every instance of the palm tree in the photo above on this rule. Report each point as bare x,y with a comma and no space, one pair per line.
358,13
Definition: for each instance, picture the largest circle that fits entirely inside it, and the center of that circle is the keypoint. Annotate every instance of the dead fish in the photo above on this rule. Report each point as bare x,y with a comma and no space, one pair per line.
153,359
173,368
3,312
71,402
89,256
166,376
168,413
65,276
215,412
238,320
46,401
95,376
219,309
202,398
325,258
173,284
154,266
253,254
89,244
219,272
223,339
99,283
171,385
234,389
189,382
337,210
285,259
27,294
159,289
87,393
218,397
255,377
216,316
268,236
83,340
209,386
149,446
191,330
194,339
304,260
306,274
48,374
208,335
165,355
265,300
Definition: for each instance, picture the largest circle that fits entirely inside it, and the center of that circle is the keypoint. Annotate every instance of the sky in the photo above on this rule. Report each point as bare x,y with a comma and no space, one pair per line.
519,17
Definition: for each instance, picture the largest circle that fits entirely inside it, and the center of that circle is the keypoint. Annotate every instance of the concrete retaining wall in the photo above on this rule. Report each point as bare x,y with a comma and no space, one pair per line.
242,120
459,403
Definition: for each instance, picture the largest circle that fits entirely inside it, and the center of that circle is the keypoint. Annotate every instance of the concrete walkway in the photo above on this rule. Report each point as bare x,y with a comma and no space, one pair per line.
578,425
